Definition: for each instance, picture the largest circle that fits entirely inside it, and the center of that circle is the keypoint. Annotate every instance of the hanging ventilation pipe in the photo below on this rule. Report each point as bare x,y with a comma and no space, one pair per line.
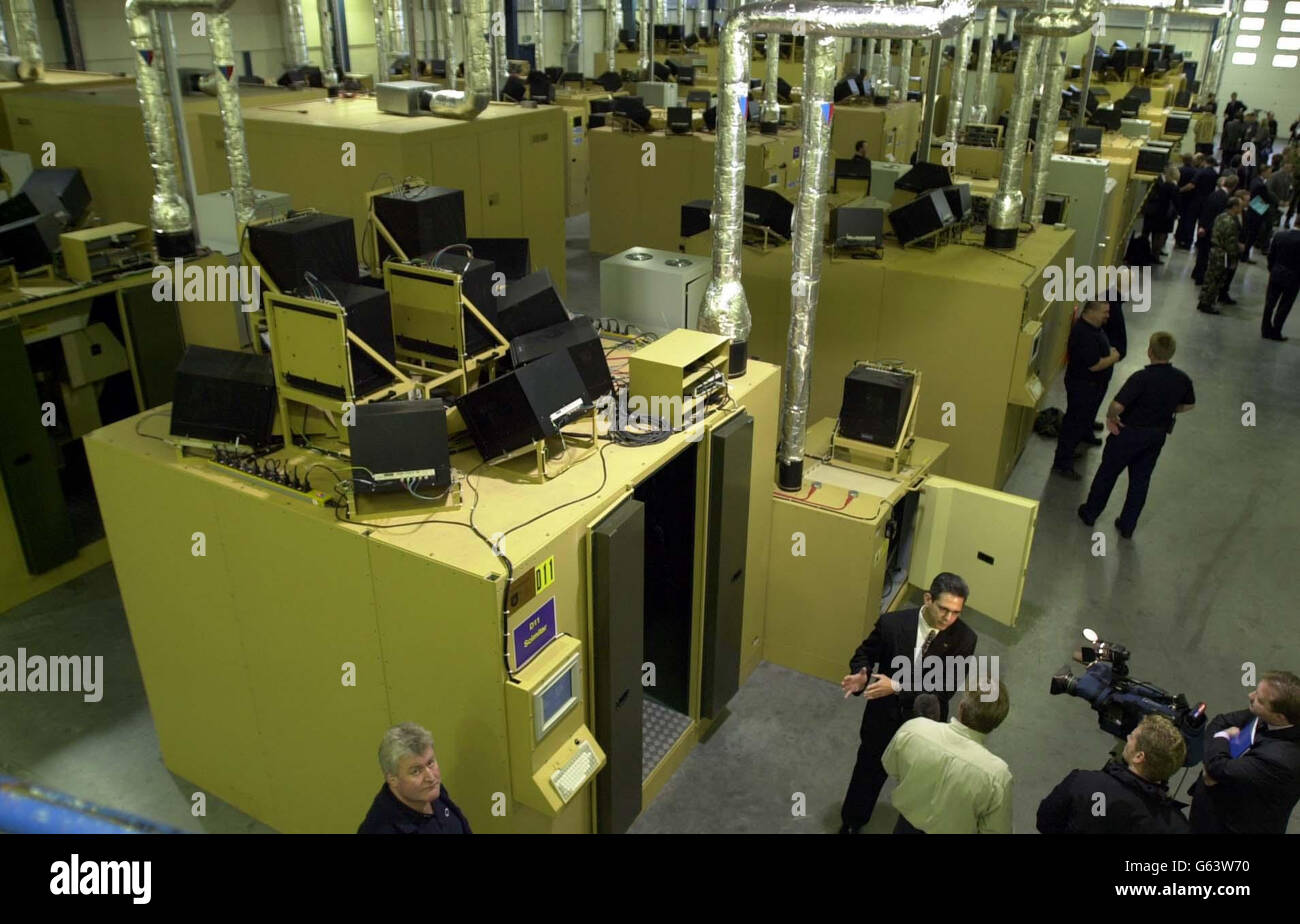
4,37
573,36
956,96
169,214
613,10
1049,113
904,70
1007,205
446,35
539,36
296,56
473,99
382,66
771,111
645,42
329,69
725,310
981,103
27,41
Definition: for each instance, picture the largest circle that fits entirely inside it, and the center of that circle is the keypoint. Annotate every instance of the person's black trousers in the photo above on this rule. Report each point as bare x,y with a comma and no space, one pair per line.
878,727
1202,816
1082,399
1186,231
1250,226
903,826
1135,449
1203,245
1283,286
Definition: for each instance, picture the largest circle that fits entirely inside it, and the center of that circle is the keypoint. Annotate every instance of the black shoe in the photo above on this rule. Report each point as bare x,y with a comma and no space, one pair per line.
1210,310
1067,473
1123,534
1083,516
1227,300
1278,337
849,829
1098,426
1091,441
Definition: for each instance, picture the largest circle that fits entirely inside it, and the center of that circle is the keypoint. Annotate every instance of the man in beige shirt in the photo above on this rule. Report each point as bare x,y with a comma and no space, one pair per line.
948,782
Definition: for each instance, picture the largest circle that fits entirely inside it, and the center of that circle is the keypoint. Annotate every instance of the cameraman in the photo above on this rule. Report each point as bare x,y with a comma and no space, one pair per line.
1127,796
1251,778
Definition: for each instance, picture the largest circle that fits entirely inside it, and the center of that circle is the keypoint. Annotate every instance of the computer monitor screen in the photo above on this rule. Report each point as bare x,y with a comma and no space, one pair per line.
859,227
769,209
850,168
685,76
557,696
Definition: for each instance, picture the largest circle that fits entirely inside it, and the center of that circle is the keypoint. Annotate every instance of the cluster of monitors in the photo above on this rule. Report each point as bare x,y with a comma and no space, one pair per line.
51,201
683,74
1155,57
631,108
668,33
540,85
551,355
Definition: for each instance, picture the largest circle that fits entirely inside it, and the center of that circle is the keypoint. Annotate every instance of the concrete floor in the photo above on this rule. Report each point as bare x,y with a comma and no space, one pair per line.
1202,588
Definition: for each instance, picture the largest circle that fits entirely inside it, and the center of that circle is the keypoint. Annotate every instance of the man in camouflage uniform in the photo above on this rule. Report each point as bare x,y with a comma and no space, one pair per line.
1225,247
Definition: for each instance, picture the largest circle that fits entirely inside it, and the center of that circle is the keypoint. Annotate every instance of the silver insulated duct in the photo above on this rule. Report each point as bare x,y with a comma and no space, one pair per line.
613,9
1148,21
539,36
27,40
442,9
169,214
956,96
644,41
882,86
329,67
573,36
771,111
1007,205
296,56
725,310
382,66
904,69
473,99
4,36
1049,113
983,99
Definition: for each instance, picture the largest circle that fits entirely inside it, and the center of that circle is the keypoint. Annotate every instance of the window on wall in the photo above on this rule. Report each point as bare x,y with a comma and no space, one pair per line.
1255,6
1243,57
1293,8
1251,23
1291,25
1288,44
1284,60
1247,41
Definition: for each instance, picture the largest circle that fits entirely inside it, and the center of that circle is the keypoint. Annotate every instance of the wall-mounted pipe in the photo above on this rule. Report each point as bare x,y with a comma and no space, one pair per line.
539,36
957,93
473,99
329,67
1007,205
27,40
904,69
883,87
725,310
169,214
412,48
980,103
645,42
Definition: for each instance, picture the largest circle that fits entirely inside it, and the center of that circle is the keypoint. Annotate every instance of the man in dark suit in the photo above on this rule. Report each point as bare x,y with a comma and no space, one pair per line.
898,639
1214,205
1189,205
1251,777
1283,283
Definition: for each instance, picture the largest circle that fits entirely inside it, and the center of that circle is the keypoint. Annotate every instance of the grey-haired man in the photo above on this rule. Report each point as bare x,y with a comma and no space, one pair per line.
412,799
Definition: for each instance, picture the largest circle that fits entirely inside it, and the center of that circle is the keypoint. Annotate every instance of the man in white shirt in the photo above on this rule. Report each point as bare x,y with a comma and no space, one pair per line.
948,782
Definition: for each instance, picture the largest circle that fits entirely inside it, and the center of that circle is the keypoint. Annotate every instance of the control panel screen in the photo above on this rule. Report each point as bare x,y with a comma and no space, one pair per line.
556,698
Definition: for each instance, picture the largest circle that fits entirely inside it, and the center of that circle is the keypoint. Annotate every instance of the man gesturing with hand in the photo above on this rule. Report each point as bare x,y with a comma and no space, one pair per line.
931,630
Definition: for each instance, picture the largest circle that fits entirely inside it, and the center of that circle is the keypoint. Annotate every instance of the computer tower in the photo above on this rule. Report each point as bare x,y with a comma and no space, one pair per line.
529,304
224,396
874,406
655,290
369,315
580,339
316,243
398,442
530,403
422,221
926,214
59,191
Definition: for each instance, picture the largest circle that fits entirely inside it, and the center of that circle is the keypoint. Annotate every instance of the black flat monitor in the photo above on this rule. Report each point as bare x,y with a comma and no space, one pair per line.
540,87
769,209
852,168
1141,94
679,119
1128,107
686,76
662,72
602,105
1086,140
1106,119
396,444
859,227
514,90
529,304
610,82
628,105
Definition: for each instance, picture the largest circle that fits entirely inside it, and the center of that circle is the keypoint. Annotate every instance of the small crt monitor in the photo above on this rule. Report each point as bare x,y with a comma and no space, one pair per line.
557,696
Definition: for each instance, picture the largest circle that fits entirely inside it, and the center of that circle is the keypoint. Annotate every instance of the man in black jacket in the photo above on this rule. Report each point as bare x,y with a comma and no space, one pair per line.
1251,776
412,799
933,630
1087,375
1127,796
1214,205
1189,204
1252,221
1283,283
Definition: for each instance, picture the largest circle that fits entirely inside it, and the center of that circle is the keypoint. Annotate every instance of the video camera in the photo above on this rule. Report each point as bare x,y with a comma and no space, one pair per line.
1121,701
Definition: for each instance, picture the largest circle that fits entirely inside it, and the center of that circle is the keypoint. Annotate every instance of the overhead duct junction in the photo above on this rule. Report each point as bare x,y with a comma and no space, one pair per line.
473,99
725,310
28,62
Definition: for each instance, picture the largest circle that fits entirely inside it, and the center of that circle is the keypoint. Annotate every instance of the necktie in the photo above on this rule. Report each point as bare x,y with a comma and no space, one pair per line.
925,646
